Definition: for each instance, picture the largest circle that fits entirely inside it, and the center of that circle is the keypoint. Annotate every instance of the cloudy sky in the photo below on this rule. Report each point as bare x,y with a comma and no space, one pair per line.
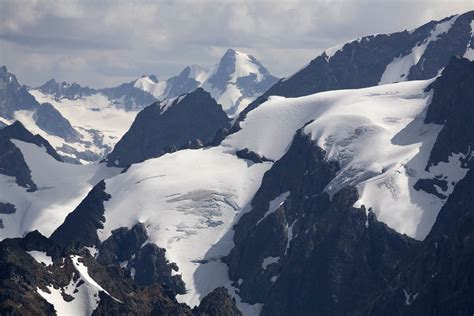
104,43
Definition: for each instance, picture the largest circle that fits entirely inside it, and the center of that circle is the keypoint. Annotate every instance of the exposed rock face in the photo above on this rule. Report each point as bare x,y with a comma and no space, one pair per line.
217,303
13,164
18,131
181,84
13,96
155,129
130,97
362,62
80,226
51,121
22,277
452,105
125,248
439,280
323,247
12,161
122,245
340,258
7,208
65,90
124,95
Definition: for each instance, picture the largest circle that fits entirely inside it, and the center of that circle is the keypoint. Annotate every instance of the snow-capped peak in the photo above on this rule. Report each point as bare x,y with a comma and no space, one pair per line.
146,83
234,82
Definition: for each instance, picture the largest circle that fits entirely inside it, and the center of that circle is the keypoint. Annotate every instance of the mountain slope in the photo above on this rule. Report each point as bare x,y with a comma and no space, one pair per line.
380,59
41,188
13,96
234,82
41,278
331,244
193,197
190,120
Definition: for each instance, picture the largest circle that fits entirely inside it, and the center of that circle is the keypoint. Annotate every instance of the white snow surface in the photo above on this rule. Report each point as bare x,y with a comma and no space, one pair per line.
376,134
331,51
83,271
95,112
188,201
268,261
274,205
86,295
41,257
61,187
231,98
469,54
399,68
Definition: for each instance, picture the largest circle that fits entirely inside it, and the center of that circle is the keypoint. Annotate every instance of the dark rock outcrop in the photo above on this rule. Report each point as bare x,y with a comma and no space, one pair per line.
452,106
250,155
440,279
326,257
130,97
80,226
125,248
7,208
13,96
152,267
12,161
195,116
181,84
361,63
18,131
217,303
21,276
66,90
13,164
51,121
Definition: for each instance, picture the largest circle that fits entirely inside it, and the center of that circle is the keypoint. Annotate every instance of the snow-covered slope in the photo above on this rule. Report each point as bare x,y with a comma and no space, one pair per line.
399,68
418,54
189,199
83,290
99,123
379,139
234,82
60,187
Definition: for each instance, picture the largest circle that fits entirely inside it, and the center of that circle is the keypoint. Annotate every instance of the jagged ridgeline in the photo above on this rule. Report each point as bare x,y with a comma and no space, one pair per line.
344,189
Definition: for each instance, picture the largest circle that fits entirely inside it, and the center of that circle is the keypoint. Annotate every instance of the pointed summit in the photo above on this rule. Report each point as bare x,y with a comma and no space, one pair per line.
13,96
237,80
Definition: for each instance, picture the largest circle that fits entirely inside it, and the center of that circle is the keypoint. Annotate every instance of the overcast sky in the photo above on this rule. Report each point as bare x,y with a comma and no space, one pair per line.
104,43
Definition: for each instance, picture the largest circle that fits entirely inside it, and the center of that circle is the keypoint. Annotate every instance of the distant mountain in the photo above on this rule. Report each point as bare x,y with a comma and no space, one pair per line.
187,121
333,189
124,96
346,189
234,82
13,96
421,53
65,90
82,124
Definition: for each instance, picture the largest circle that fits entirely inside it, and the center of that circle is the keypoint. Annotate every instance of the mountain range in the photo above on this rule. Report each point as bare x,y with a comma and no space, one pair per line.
343,189
84,124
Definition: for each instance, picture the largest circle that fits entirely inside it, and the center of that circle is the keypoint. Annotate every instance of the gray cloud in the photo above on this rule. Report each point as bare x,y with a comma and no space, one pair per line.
102,43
